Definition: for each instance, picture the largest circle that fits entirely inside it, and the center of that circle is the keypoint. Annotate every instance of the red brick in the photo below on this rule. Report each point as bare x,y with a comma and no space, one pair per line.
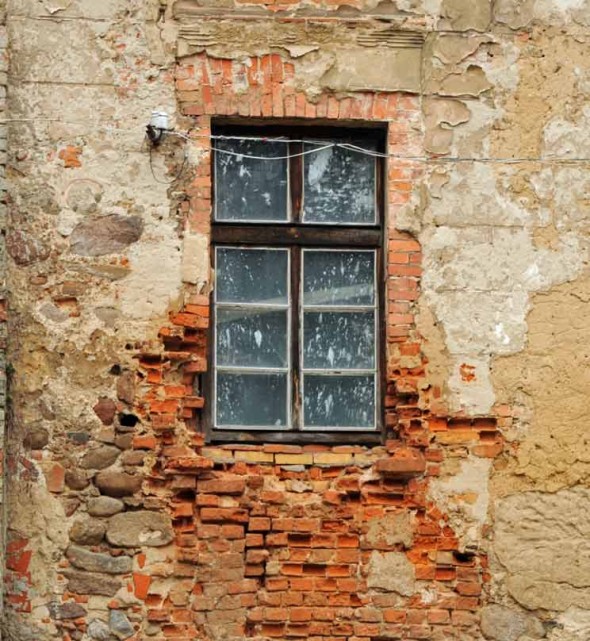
232,532
141,583
405,463
254,540
224,514
144,443
468,589
394,616
55,477
438,616
258,524
234,486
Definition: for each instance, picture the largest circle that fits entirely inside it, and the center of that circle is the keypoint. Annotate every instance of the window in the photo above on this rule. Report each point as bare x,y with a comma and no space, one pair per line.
297,238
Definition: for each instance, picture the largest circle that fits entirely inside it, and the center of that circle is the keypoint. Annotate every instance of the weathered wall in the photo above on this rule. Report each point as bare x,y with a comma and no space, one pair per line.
469,522
3,328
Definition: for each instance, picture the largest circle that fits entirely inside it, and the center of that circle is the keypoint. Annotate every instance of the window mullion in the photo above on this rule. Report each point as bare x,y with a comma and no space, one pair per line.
295,339
296,180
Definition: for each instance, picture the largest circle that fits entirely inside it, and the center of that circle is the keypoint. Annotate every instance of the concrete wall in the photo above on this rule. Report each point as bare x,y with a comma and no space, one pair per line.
469,522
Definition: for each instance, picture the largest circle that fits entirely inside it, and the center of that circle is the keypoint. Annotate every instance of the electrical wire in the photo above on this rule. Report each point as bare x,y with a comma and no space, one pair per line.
367,152
321,146
287,157
176,177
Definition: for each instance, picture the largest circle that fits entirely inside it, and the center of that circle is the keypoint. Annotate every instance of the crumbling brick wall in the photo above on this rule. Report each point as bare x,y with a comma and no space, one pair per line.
311,541
123,522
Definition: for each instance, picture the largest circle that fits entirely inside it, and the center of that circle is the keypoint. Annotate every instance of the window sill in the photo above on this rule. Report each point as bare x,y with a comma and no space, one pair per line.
296,438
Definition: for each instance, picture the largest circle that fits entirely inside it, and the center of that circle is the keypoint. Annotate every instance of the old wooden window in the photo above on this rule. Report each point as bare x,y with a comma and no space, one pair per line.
297,239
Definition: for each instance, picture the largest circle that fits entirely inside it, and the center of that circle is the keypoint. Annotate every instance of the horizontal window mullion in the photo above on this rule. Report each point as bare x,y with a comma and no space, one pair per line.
269,306
339,372
304,235
338,308
258,428
258,370
331,429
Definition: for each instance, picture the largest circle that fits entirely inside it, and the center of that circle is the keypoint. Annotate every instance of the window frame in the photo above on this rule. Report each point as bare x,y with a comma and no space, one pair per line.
296,236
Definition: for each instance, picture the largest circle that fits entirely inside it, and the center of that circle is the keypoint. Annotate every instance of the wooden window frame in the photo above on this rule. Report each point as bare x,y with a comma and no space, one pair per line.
297,235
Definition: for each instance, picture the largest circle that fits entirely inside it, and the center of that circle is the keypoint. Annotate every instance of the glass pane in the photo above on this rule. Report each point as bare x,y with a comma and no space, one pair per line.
252,400
339,185
251,338
338,278
249,189
251,276
339,340
339,401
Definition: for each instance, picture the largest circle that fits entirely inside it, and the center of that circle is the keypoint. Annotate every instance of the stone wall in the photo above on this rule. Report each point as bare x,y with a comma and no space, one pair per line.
468,521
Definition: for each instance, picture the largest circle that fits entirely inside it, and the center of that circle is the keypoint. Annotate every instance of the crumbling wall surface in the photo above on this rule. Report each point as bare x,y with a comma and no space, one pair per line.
93,251
3,329
469,520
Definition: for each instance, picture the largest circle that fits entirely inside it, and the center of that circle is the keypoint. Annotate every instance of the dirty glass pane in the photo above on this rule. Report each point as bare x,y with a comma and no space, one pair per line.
339,185
249,189
251,276
252,400
339,340
338,278
339,401
251,338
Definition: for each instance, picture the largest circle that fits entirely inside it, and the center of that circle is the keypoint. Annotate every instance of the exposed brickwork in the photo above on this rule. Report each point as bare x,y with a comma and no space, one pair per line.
123,522
277,541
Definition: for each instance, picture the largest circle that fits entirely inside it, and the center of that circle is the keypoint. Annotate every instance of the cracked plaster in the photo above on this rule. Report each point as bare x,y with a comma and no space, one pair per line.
505,245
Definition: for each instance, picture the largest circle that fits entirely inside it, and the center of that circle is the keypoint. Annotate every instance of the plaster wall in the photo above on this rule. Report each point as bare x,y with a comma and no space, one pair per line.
468,523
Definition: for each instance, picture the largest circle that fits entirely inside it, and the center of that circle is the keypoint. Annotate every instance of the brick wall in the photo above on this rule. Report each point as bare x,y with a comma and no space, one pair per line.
312,541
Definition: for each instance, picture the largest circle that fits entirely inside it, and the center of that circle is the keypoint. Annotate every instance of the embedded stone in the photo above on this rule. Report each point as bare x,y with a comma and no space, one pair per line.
500,623
100,457
134,529
79,438
76,479
124,441
24,248
126,387
117,484
36,438
70,505
133,457
84,559
88,531
98,630
80,582
104,506
100,235
69,610
84,197
106,435
391,571
105,409
120,624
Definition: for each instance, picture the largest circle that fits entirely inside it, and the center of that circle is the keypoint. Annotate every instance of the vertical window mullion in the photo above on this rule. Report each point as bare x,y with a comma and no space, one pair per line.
296,180
296,401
